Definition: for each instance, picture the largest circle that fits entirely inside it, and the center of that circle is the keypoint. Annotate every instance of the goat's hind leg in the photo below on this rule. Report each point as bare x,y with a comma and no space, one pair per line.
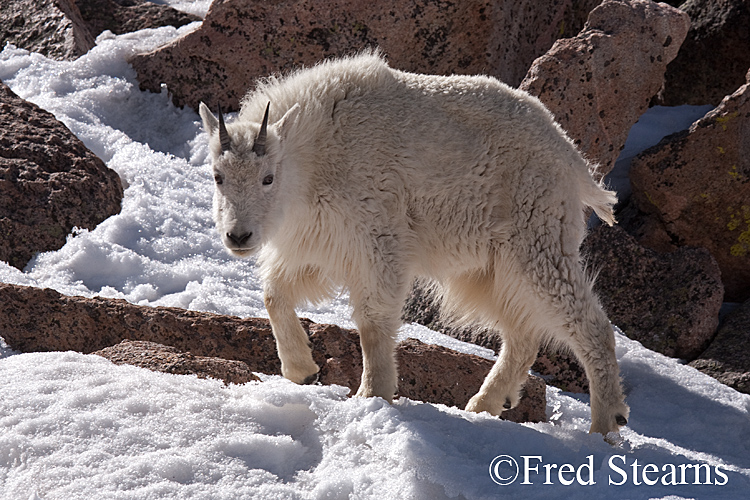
501,388
489,300
584,327
593,343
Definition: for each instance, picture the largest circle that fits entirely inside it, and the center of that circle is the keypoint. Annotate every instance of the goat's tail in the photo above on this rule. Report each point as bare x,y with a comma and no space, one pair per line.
594,195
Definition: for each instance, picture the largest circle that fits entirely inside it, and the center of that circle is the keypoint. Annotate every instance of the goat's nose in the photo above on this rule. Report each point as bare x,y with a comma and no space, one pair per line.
240,239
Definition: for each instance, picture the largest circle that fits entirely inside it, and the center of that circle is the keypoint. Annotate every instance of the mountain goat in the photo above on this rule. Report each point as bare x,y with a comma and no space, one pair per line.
352,174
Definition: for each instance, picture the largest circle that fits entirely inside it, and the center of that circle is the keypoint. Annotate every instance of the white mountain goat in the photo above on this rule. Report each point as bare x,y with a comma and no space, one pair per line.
365,177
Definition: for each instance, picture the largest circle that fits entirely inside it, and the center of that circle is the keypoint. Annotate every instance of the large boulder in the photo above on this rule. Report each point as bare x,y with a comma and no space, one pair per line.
242,40
598,83
33,319
668,302
727,359
693,188
715,55
49,182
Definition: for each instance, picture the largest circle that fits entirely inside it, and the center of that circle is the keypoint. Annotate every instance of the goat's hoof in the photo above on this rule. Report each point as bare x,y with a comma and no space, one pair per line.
621,420
312,379
507,405
614,438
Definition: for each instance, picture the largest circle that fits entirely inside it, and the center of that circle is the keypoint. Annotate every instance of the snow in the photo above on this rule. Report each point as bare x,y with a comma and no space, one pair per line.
77,426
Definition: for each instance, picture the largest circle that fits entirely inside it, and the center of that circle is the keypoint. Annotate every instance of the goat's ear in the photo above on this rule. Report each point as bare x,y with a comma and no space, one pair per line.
285,125
210,123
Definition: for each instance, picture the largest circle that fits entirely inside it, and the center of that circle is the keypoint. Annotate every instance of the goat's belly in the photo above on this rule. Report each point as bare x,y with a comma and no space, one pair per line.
439,255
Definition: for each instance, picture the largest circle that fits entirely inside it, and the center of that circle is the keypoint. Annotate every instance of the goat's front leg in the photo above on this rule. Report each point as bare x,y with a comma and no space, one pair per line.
292,343
377,293
379,374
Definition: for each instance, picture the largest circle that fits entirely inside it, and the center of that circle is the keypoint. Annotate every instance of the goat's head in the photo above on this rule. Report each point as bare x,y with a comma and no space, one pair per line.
247,171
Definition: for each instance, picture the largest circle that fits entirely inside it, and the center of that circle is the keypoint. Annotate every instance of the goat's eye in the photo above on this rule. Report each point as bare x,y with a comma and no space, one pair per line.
268,180
218,179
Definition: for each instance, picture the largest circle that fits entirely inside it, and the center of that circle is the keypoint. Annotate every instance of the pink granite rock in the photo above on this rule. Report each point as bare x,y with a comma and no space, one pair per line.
167,359
436,374
52,27
66,29
598,83
125,16
49,182
694,188
33,319
241,41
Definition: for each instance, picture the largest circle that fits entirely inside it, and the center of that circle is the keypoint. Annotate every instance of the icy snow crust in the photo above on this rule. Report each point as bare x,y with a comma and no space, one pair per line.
76,426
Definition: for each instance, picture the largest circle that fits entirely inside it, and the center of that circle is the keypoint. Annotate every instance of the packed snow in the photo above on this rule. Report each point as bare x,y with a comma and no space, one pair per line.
77,426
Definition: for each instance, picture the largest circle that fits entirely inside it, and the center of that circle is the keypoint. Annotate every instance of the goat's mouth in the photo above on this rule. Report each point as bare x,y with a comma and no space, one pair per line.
242,252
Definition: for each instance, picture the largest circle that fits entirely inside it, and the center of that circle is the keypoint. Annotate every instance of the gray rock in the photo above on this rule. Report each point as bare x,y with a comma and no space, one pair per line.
714,57
727,359
668,302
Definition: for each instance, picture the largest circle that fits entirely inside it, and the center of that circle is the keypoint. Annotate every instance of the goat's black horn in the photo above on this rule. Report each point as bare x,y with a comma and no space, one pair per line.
259,147
223,134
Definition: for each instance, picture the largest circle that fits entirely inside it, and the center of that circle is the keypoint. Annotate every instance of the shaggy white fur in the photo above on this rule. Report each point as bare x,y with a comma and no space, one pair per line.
371,177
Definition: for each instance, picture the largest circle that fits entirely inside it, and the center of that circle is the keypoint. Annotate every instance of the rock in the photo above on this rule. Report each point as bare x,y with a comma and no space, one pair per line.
533,404
49,182
125,16
598,83
167,359
51,27
439,375
67,29
242,40
727,359
557,367
668,302
39,320
32,319
693,188
714,57
560,368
